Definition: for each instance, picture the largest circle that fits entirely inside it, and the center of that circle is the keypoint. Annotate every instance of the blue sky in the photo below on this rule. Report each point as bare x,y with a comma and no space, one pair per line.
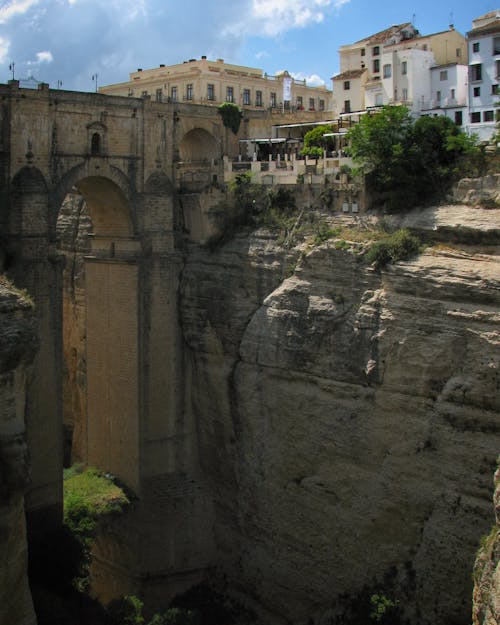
72,40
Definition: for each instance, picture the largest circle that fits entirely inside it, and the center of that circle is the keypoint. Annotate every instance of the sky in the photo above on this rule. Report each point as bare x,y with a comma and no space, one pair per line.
67,43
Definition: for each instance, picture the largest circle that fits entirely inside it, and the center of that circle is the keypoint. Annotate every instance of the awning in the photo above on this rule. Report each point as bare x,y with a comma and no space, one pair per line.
279,140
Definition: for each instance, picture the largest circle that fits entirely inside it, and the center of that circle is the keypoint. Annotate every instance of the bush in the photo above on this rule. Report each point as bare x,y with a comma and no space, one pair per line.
401,245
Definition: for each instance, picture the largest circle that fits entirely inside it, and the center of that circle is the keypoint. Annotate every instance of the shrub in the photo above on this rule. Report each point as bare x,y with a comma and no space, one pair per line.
401,245
231,116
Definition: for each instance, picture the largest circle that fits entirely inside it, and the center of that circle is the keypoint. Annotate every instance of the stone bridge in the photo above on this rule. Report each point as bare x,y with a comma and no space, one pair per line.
131,160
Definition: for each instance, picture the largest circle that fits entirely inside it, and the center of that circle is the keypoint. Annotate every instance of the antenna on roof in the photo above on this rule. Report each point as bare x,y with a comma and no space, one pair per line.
451,20
413,19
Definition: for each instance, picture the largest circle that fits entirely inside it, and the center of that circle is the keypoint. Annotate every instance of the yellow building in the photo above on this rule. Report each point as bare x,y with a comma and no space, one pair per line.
213,82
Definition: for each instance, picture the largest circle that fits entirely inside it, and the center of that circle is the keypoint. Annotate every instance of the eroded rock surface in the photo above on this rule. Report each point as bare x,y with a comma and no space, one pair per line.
348,420
486,597
17,348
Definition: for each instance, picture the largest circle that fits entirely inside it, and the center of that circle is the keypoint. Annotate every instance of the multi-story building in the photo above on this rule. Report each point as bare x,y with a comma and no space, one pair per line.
213,82
484,73
448,95
392,67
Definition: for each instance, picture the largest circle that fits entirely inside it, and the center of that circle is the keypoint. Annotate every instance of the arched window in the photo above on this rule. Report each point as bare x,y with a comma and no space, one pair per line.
95,145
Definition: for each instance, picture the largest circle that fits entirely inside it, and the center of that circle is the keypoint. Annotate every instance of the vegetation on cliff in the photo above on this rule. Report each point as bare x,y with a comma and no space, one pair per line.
88,496
409,162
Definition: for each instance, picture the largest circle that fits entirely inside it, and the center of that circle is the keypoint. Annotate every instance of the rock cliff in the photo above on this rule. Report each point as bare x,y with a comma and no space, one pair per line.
17,348
486,604
347,418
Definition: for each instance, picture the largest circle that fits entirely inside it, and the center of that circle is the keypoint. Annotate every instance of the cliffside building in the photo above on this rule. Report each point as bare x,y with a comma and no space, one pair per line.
484,73
393,67
201,81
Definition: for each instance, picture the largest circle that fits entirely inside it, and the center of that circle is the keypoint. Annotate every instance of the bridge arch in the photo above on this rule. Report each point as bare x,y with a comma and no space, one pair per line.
198,145
108,193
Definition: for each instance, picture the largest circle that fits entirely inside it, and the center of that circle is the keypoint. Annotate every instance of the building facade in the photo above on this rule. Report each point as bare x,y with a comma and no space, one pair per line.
484,74
393,67
213,82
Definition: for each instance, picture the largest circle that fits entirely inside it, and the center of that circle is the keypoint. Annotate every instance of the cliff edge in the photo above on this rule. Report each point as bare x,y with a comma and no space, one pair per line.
17,347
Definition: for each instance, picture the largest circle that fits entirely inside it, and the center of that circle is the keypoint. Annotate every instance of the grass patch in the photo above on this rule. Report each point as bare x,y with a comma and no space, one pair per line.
88,496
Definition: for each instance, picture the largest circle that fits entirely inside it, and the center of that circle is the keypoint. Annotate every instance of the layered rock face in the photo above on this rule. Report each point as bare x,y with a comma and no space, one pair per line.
17,348
347,420
486,597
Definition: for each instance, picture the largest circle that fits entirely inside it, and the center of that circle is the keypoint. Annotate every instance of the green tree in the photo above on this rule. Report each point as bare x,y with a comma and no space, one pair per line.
408,162
315,141
231,116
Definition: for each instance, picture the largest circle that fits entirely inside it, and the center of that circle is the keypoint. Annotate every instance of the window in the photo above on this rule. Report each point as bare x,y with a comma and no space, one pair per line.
273,100
300,104
452,94
438,97
376,66
144,93
376,51
475,118
363,52
378,99
476,72
210,92
258,98
311,104
347,106
477,92
404,67
321,105
387,71
497,69
246,96
159,95
189,91
95,143
458,53
496,46
475,46
458,118
405,94
443,74
488,116
229,94
173,94
347,85
494,90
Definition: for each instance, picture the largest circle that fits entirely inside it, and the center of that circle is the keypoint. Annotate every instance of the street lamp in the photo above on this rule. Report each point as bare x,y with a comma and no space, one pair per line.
94,77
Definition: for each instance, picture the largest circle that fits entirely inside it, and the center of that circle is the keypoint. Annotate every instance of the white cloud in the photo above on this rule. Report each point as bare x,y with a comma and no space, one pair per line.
16,7
4,49
44,57
313,79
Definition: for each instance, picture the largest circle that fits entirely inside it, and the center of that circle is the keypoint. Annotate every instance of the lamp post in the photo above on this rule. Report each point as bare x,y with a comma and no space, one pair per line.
94,77
12,67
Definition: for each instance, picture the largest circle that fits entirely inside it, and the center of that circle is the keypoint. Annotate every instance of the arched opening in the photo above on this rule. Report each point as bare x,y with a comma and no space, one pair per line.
198,145
100,328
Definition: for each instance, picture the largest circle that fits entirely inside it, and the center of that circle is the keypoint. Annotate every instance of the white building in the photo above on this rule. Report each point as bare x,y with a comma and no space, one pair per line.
448,93
484,73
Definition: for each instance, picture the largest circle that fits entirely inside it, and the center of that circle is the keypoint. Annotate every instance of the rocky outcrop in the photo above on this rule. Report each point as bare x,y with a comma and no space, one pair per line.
483,191
347,419
17,348
486,596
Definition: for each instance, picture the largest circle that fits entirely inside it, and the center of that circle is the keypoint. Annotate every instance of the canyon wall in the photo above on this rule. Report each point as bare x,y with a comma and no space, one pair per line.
486,596
347,417
17,347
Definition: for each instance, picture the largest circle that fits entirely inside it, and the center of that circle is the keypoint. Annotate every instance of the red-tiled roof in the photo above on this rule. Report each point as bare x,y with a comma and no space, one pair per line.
384,35
351,73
